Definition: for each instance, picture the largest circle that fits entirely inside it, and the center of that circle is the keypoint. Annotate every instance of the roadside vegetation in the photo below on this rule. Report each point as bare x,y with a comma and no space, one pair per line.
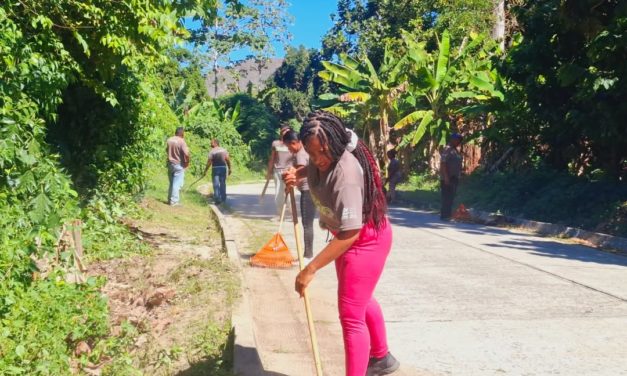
540,195
538,97
90,91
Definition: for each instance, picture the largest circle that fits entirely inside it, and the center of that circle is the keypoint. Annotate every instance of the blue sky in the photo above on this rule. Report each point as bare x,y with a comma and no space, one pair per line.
311,20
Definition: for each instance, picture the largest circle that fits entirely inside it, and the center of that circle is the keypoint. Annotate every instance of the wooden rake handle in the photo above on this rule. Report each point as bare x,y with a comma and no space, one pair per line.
283,213
310,322
263,192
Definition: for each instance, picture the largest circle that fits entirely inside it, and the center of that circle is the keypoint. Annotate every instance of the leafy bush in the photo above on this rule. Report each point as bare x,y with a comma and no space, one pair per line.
45,323
75,92
202,127
569,76
256,124
287,104
538,194
550,196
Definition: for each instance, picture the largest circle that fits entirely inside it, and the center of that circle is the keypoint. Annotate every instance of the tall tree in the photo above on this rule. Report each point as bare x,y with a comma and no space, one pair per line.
498,31
295,84
367,26
299,70
571,67
369,92
447,86
244,24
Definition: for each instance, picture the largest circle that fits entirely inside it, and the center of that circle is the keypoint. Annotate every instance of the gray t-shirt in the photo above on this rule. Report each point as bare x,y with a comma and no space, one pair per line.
284,158
338,193
453,160
218,156
302,159
177,150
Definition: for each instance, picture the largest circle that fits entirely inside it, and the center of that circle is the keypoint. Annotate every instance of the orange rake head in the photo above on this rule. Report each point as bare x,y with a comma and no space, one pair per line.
274,254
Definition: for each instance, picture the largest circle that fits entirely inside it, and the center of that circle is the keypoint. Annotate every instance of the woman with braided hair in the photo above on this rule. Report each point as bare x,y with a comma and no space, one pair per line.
346,187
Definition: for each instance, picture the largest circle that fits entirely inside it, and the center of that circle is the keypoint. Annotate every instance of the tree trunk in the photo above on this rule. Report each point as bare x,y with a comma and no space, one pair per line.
498,32
434,157
373,144
215,77
384,131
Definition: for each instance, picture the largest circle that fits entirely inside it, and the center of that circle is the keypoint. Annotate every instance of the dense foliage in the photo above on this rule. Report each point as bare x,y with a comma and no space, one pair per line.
548,101
427,93
257,126
569,71
80,114
209,121
367,26
295,84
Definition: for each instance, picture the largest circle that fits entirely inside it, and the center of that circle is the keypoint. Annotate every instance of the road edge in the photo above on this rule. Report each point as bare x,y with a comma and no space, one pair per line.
246,360
599,241
602,242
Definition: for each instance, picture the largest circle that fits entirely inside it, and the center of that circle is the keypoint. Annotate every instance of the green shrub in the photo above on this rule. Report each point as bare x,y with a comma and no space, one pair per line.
43,326
550,196
202,127
256,124
537,194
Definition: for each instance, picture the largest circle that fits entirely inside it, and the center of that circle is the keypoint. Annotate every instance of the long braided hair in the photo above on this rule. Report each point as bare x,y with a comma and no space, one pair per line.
332,133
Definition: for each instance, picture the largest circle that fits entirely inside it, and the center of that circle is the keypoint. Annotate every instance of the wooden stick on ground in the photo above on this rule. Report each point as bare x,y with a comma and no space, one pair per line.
310,323
78,251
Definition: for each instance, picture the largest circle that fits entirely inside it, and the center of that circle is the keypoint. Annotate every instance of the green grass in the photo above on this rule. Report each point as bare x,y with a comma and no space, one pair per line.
208,347
541,195
421,191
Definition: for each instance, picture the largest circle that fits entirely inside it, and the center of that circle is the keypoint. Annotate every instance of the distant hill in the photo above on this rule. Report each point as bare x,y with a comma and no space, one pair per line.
236,78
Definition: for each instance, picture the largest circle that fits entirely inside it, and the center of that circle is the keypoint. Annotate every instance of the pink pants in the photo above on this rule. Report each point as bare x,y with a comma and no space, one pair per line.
358,271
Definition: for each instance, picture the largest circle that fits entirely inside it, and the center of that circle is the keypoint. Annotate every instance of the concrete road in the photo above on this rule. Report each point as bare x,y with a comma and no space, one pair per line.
459,299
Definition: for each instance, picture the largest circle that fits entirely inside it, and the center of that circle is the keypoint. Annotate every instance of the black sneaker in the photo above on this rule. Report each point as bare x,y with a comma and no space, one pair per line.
382,366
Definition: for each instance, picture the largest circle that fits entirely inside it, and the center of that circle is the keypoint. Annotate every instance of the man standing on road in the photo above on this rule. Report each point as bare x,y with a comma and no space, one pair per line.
394,175
307,206
178,161
220,167
280,160
450,172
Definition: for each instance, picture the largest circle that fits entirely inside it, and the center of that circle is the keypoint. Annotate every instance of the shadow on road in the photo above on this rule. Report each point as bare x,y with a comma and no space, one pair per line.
503,238
548,248
249,206
419,219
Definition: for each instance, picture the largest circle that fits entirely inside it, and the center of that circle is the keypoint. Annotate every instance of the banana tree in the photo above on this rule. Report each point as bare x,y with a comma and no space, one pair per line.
180,98
446,86
368,93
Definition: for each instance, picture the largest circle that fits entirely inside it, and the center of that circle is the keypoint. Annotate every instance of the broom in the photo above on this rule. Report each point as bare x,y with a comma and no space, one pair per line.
310,323
274,254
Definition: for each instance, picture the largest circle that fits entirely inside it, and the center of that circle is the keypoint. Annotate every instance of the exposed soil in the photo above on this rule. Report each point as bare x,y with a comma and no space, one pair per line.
178,298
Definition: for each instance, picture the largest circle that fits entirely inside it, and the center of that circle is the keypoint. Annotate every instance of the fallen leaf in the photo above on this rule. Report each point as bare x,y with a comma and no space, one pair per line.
82,348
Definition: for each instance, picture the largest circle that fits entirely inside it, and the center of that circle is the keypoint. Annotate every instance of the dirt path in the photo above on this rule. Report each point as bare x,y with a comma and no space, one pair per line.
172,305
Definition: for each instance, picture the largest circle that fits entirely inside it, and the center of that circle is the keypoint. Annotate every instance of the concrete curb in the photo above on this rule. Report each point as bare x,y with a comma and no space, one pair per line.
613,244
602,242
246,359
